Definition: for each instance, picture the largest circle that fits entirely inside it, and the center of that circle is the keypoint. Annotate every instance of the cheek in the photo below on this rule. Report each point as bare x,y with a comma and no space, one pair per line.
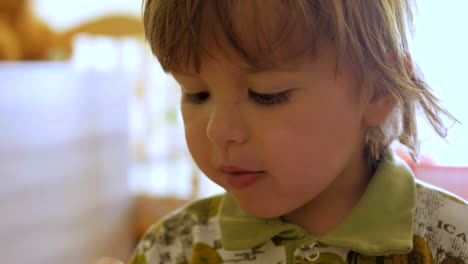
194,136
197,141
321,139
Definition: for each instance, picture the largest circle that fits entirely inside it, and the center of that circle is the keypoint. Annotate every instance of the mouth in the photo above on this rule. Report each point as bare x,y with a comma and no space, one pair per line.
239,178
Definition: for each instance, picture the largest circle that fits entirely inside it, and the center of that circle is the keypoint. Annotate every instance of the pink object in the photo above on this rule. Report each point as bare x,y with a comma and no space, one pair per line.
453,179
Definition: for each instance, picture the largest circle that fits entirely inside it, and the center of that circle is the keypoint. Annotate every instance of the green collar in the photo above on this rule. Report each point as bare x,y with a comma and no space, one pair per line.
381,223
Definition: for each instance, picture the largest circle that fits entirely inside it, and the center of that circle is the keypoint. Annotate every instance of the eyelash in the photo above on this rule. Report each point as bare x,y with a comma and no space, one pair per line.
269,99
197,98
258,98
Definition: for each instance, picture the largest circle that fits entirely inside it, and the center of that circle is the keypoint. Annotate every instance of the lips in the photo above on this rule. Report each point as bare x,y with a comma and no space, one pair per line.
240,178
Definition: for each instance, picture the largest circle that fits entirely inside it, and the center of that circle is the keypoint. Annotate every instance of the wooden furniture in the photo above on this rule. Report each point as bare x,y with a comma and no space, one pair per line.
64,194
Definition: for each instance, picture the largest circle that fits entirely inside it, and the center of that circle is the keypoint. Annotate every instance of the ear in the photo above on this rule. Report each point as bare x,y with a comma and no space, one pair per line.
380,102
379,106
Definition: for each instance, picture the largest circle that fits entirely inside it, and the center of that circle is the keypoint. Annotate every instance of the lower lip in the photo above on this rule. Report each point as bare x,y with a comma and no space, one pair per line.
242,180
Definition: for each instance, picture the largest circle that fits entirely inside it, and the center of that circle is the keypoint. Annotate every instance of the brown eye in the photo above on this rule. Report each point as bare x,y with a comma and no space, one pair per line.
197,98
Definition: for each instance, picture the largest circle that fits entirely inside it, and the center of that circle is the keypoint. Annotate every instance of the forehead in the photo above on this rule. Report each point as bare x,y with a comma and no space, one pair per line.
322,62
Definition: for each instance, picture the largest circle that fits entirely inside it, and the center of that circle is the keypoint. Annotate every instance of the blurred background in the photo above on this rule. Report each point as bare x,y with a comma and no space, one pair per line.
92,148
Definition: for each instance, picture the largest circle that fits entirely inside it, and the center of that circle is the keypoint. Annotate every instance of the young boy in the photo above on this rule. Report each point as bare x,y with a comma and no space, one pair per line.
291,106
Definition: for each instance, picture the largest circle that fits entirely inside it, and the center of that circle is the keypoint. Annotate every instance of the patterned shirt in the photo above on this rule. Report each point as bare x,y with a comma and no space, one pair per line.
398,220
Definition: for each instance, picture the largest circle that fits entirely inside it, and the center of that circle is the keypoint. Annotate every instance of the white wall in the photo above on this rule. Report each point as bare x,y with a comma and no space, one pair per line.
64,195
440,48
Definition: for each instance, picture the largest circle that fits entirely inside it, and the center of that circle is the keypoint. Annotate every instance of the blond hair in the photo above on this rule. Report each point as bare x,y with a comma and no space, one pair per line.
373,34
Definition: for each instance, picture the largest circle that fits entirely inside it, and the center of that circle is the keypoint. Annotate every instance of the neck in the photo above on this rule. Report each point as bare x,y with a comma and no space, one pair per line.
327,210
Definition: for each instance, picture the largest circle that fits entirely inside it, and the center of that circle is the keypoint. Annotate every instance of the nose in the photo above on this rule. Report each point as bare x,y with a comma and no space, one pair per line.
226,126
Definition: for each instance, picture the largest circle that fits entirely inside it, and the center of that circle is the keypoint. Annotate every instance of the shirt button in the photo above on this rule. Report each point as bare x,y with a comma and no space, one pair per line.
307,253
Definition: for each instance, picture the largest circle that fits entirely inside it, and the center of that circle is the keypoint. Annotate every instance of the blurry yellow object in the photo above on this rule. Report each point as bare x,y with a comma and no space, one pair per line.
23,36
140,91
112,25
9,43
35,37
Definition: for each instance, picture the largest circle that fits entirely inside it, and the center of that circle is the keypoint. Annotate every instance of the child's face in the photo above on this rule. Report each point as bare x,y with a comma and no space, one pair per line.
274,139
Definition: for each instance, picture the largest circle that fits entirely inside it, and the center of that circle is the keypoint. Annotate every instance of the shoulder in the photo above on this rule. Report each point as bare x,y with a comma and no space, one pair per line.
435,201
441,219
434,205
171,240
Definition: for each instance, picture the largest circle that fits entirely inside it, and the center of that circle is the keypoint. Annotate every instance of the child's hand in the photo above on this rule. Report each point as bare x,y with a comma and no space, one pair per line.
107,261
